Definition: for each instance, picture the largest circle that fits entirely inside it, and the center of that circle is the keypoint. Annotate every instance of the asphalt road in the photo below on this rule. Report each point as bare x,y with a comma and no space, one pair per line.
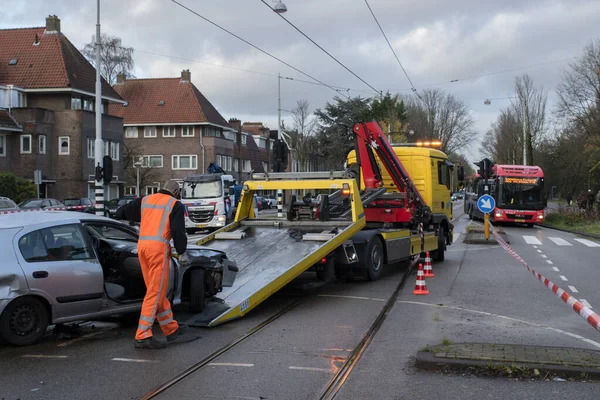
479,294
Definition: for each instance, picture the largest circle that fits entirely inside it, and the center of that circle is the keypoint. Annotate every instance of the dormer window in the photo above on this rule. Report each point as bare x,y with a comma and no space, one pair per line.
161,103
14,61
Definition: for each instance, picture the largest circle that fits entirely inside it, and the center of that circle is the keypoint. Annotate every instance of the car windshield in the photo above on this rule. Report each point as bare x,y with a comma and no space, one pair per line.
122,202
72,202
520,196
36,203
4,204
201,190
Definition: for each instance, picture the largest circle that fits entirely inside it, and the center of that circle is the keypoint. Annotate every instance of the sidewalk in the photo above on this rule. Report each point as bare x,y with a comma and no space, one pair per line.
508,359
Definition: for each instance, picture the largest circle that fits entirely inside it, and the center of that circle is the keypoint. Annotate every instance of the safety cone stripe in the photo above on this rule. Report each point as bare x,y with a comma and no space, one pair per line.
584,312
420,286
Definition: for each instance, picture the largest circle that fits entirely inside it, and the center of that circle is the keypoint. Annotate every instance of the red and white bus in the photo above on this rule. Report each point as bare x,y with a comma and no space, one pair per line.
518,191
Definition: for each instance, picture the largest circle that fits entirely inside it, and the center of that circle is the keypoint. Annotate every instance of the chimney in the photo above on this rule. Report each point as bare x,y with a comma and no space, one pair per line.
235,124
264,132
121,78
36,41
52,24
186,76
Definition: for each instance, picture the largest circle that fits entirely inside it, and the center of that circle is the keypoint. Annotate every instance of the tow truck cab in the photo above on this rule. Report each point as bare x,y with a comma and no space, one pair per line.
429,169
208,200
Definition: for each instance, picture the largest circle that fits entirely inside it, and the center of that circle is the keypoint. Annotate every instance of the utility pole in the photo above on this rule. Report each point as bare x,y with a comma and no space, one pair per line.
524,137
99,148
278,163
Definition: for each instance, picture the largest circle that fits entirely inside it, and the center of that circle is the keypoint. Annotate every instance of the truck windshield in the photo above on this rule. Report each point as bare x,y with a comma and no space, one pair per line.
201,190
521,196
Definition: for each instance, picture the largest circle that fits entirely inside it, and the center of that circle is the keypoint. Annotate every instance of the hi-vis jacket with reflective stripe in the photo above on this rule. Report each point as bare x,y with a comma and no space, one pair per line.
163,218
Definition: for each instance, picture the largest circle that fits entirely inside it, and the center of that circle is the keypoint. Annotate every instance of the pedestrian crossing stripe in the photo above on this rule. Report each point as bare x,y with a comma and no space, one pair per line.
559,241
588,243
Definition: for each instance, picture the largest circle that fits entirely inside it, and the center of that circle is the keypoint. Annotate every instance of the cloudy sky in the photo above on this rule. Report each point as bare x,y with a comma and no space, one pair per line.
482,43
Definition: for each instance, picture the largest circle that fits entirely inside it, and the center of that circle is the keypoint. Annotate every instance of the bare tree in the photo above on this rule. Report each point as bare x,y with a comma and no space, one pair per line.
529,108
436,115
502,142
148,175
114,57
579,93
303,140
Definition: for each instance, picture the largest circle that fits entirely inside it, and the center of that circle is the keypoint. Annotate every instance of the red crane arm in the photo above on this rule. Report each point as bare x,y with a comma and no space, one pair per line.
370,137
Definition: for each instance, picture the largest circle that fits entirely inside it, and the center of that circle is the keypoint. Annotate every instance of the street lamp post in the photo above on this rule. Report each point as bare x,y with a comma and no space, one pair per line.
137,164
99,148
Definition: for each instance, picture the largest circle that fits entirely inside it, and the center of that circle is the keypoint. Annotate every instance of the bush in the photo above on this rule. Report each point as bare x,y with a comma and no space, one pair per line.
16,188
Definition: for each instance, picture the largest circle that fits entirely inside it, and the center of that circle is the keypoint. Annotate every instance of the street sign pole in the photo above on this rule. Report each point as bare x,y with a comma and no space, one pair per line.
486,226
486,205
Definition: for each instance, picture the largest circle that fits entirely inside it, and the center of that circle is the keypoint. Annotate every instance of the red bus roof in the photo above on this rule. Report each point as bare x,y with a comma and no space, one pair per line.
518,170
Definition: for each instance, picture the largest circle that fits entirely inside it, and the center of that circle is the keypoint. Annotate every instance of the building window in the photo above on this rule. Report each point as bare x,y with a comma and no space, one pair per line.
91,145
130,191
131,132
152,161
42,144
75,103
185,162
114,151
88,104
262,143
236,162
150,131
246,166
106,147
272,143
2,145
152,190
244,139
168,131
187,131
64,145
211,131
230,135
25,144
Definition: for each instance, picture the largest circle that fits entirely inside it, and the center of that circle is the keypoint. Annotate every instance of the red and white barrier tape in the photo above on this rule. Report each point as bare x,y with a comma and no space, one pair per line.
46,209
584,312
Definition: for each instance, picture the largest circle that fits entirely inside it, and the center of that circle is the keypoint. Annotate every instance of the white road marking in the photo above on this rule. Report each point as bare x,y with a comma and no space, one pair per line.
531,240
351,297
135,360
573,335
544,256
588,243
230,365
564,278
456,236
535,247
312,369
585,303
572,289
42,356
556,269
549,262
539,251
560,241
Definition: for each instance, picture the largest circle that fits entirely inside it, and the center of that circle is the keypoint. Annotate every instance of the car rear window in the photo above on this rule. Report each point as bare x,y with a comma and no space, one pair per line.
7,204
72,202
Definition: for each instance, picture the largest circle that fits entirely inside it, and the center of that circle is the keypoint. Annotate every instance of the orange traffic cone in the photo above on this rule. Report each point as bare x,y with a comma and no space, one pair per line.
420,286
428,269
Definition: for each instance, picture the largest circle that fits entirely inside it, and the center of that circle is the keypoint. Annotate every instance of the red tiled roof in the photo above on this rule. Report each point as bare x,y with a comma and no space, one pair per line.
6,121
253,127
53,63
183,103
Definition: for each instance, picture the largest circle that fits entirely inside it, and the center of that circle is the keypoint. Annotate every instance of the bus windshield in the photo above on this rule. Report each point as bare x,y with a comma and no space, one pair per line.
201,190
523,196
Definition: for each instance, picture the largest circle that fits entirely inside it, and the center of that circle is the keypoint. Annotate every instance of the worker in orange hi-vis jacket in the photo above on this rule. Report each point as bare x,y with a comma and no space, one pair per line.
162,219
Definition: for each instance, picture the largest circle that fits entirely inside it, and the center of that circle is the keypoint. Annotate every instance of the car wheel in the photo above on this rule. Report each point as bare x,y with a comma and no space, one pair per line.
197,290
24,321
374,259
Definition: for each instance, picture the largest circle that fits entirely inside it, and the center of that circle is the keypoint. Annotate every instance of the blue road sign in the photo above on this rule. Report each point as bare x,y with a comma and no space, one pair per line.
486,203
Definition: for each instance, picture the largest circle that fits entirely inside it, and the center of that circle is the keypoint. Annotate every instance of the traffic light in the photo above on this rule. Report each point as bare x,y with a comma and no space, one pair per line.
280,156
107,170
485,168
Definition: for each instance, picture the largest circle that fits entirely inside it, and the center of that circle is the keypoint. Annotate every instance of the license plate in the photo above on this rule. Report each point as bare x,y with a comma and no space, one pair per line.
200,225
519,220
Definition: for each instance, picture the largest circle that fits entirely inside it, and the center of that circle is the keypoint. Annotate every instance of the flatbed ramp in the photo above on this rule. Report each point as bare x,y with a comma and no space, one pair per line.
269,255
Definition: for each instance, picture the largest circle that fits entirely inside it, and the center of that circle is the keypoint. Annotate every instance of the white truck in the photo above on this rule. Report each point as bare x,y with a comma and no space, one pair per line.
208,200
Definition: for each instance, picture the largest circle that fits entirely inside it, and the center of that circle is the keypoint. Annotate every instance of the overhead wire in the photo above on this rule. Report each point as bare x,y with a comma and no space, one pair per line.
391,48
255,47
321,48
237,69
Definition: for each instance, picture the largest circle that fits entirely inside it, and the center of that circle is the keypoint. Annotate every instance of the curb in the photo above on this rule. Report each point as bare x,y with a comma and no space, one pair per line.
427,361
590,235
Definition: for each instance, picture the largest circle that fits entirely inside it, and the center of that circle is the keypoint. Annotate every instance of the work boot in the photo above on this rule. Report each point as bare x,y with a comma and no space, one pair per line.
149,343
178,333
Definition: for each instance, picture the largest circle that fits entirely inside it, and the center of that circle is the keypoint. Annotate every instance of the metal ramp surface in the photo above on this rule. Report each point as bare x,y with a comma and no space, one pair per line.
268,258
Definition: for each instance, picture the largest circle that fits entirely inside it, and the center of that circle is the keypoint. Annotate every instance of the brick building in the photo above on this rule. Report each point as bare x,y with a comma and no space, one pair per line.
173,128
47,90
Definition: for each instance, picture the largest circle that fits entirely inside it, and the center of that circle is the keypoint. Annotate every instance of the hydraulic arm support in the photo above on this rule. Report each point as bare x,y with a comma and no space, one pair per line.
370,137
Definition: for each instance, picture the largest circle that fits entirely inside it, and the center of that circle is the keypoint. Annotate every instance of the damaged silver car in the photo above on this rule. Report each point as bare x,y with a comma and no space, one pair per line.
61,266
